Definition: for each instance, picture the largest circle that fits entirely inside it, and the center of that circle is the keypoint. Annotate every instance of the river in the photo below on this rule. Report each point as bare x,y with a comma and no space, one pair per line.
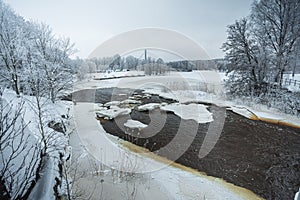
256,155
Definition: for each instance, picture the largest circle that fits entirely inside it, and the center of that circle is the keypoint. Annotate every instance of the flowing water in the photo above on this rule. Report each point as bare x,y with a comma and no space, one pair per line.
259,156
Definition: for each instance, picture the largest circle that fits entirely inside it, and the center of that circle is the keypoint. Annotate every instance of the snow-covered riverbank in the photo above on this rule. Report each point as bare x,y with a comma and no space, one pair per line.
173,181
27,147
196,86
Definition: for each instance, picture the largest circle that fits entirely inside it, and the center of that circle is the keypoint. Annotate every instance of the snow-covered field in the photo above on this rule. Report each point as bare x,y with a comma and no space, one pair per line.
116,74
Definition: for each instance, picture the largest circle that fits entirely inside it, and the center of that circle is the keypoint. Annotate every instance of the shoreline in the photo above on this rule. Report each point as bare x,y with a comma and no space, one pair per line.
260,115
170,178
245,193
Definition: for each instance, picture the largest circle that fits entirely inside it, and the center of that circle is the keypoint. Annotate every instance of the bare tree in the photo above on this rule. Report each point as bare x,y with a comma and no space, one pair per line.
131,62
83,70
260,49
242,52
279,21
53,58
11,46
295,64
19,152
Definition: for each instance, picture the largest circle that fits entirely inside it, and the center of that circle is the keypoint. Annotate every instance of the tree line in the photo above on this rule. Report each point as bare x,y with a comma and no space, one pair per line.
151,66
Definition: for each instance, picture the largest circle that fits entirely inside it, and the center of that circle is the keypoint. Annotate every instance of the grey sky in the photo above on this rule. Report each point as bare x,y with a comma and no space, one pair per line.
91,22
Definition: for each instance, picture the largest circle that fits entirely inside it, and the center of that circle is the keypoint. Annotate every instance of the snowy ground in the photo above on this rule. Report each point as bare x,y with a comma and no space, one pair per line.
113,74
292,86
51,112
172,182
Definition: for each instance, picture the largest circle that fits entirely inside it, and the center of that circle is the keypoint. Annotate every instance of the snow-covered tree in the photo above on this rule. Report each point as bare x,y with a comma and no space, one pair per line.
34,62
12,28
260,48
131,62
82,69
242,52
53,56
264,42
295,59
91,66
115,63
25,43
279,22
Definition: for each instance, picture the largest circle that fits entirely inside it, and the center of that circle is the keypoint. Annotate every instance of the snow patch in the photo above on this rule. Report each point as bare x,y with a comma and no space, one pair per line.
149,106
197,112
266,115
112,112
242,111
112,103
135,124
130,101
297,195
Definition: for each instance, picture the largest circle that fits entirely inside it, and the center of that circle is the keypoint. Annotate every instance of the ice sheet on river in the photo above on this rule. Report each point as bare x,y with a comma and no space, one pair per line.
134,124
197,112
112,112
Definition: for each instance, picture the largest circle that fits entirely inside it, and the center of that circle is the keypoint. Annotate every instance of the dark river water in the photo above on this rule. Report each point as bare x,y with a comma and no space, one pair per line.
259,156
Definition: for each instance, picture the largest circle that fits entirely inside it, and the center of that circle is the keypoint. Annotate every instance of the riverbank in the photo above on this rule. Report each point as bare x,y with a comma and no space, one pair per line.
155,85
248,153
173,183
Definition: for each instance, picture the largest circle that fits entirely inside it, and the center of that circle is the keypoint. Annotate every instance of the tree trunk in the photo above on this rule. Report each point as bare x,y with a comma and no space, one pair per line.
52,96
16,85
281,77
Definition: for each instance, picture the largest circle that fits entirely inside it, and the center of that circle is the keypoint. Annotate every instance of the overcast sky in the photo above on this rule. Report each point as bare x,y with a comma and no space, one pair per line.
91,22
